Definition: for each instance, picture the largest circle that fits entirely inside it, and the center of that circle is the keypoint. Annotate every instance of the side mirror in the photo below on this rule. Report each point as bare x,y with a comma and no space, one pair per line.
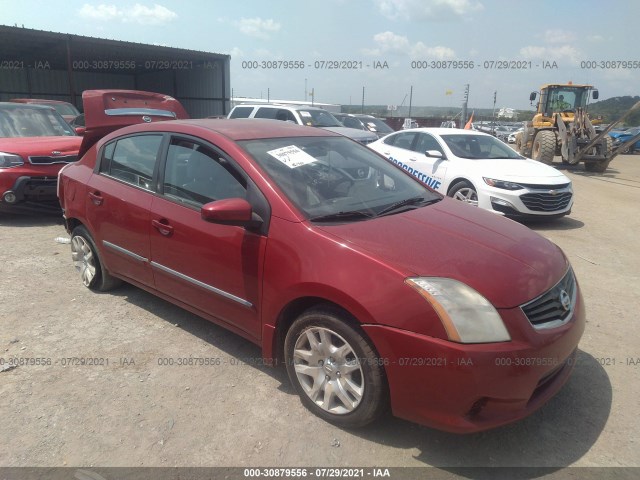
533,96
595,94
434,154
230,211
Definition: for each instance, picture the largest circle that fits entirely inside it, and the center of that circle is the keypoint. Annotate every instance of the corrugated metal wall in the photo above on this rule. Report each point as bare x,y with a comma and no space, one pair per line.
203,89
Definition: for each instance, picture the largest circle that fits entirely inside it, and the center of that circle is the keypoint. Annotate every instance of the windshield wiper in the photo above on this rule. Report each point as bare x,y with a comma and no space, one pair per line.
344,216
405,203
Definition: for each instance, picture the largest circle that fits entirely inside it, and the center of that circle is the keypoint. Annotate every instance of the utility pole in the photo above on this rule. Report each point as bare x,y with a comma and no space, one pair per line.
465,102
362,105
493,129
305,90
410,100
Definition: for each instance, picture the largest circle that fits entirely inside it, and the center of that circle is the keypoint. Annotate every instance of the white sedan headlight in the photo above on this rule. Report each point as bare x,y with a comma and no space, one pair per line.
502,184
466,315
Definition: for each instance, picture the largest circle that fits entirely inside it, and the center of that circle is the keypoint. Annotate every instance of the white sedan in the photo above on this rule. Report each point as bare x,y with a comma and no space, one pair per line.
479,169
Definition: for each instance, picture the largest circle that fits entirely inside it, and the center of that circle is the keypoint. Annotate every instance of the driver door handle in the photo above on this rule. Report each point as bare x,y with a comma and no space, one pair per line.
163,227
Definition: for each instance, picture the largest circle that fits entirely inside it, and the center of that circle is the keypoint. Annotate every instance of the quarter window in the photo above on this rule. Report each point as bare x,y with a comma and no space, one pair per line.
195,174
132,159
402,140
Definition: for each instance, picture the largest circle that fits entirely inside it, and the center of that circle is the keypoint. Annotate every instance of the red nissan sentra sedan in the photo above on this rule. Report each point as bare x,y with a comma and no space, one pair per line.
372,289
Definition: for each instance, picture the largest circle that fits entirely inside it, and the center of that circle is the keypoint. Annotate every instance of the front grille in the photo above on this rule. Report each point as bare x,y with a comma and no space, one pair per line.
44,160
548,310
546,201
535,186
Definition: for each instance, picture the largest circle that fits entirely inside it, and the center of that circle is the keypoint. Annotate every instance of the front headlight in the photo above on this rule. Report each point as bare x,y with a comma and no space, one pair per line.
466,315
10,160
492,182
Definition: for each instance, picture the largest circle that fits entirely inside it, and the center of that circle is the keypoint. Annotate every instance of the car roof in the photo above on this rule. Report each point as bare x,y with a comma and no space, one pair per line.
281,105
16,105
444,131
237,128
36,100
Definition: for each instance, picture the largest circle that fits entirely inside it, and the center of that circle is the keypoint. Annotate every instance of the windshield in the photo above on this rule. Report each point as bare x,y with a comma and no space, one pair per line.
479,147
331,177
32,122
65,109
376,125
318,118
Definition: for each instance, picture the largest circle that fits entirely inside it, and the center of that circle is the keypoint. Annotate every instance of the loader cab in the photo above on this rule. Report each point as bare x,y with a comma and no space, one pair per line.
563,98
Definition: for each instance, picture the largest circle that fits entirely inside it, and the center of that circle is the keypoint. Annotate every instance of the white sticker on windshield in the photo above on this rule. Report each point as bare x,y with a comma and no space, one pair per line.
304,114
292,156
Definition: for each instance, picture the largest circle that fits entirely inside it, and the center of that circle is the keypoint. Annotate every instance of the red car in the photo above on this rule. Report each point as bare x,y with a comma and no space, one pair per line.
371,288
35,142
65,109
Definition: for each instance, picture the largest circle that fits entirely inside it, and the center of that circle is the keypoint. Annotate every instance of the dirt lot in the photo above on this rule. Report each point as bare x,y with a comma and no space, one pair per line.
136,412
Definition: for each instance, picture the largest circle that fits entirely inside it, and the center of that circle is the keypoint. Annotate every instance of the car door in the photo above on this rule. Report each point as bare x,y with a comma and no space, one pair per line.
119,198
397,148
429,169
213,268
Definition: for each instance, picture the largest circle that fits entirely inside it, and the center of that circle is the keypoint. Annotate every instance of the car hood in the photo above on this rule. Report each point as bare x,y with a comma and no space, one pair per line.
44,146
522,171
359,135
503,260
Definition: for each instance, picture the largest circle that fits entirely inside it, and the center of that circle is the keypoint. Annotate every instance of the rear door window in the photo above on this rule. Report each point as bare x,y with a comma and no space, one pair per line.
241,112
132,159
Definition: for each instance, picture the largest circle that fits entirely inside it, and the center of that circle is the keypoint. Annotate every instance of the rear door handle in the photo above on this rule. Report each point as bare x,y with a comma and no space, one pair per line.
163,227
96,198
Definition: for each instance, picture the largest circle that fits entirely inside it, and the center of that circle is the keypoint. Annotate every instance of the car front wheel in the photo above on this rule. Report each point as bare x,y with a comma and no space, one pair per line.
465,192
87,262
335,369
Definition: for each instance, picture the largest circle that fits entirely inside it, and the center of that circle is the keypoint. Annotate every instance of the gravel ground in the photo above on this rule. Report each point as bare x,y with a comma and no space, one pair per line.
134,411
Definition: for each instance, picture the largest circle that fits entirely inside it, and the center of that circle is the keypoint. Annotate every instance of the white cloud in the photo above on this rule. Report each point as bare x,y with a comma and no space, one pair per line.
391,43
563,52
257,27
420,50
559,36
427,10
137,13
158,15
99,12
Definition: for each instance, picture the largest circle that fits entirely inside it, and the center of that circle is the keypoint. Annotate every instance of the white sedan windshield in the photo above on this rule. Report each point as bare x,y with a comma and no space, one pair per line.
479,147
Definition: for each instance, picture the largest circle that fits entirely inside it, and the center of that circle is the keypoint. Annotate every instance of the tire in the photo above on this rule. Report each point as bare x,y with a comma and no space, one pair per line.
465,192
600,167
544,147
518,143
596,167
334,368
87,261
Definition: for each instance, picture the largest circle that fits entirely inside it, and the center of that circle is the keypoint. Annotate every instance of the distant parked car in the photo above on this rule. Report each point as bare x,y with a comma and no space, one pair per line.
621,136
368,123
511,138
478,169
301,115
65,109
35,142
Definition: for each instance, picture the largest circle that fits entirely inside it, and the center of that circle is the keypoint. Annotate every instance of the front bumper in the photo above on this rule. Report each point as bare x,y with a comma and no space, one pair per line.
527,203
28,193
468,388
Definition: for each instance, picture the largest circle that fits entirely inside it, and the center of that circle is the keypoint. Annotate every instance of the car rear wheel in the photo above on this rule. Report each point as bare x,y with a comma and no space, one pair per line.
465,192
335,369
87,262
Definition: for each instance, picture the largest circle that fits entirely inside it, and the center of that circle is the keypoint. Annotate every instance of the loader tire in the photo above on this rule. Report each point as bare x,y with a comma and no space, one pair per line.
600,167
596,167
544,147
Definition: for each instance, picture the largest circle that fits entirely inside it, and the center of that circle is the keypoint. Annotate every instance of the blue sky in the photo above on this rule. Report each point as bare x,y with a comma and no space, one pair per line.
397,32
